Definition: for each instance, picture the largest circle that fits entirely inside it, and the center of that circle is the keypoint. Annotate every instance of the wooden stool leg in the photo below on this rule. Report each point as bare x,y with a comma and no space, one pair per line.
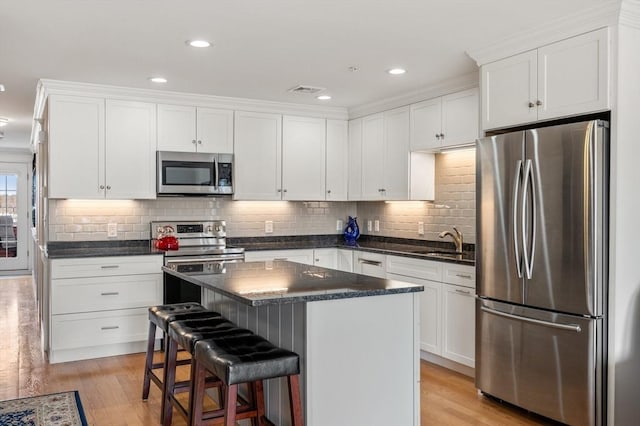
258,396
294,400
149,361
230,405
196,396
169,381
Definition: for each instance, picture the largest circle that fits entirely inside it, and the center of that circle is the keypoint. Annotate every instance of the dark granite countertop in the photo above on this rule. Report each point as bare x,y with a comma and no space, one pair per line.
282,282
73,249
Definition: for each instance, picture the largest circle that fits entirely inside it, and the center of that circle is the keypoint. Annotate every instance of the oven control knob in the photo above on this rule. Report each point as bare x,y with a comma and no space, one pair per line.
174,267
209,229
209,266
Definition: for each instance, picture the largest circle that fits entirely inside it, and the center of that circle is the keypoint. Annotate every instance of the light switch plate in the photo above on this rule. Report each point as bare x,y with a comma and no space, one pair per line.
369,226
112,230
420,228
376,225
268,226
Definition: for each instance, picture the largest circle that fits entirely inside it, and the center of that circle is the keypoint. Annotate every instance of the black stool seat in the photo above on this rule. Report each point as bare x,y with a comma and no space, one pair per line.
189,331
162,315
248,358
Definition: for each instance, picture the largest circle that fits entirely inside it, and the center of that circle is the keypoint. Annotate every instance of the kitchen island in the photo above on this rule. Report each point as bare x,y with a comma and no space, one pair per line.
357,337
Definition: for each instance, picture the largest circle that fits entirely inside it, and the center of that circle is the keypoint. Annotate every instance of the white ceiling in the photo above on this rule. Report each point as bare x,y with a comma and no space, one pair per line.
262,47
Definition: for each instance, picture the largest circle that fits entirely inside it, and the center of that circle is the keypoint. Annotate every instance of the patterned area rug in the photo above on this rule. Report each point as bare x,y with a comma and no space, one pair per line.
58,409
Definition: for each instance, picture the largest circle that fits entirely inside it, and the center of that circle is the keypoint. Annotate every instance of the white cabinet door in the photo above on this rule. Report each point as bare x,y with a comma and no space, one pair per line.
326,258
345,260
372,264
426,125
258,154
130,166
509,88
373,153
76,147
301,256
337,175
573,76
176,128
395,167
460,118
355,160
214,130
458,312
303,158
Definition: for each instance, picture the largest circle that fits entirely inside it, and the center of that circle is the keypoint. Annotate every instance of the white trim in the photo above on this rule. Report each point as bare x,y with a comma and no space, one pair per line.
630,13
467,81
602,15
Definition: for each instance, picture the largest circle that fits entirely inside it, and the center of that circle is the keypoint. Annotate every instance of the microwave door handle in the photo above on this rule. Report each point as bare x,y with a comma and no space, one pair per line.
216,166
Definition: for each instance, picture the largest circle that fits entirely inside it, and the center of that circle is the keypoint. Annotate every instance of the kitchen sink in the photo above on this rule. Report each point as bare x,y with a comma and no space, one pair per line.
435,252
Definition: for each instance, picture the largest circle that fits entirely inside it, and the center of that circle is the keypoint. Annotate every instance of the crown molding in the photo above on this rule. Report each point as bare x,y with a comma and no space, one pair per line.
630,13
50,87
602,15
467,81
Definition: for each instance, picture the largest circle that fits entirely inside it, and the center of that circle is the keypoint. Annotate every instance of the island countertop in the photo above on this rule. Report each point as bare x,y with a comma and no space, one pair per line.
282,282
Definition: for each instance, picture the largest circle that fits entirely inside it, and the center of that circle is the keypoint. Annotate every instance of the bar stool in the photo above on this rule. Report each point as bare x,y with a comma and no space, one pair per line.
244,359
159,317
185,334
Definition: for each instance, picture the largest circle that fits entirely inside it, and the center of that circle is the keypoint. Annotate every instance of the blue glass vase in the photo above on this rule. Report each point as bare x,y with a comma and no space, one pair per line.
351,231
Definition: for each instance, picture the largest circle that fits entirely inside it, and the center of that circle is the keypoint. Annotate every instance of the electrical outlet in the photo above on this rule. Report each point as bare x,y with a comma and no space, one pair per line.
376,225
268,226
339,225
420,228
369,226
112,230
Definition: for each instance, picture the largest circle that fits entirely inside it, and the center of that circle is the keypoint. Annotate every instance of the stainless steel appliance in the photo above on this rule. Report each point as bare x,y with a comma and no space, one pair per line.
202,249
542,198
194,173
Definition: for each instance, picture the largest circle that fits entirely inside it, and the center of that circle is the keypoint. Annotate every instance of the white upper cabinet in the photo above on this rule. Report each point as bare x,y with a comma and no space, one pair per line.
188,129
130,150
395,165
445,121
258,156
354,185
303,158
337,171
570,77
372,157
101,149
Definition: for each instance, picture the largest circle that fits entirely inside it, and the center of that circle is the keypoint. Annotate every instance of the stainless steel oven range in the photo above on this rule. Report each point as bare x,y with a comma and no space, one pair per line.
202,248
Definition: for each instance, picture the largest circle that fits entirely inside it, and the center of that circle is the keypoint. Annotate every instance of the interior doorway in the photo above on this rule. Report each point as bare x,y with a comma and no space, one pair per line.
14,216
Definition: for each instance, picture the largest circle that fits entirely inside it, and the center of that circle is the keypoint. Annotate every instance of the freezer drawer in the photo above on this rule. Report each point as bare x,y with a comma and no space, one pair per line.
545,362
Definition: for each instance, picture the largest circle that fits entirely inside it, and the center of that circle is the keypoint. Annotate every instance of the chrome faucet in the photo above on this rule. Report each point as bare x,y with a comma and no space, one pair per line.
457,238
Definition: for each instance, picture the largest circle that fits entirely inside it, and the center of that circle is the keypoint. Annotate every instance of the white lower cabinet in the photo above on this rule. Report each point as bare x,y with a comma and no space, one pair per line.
331,258
372,264
345,260
301,256
326,258
99,305
447,305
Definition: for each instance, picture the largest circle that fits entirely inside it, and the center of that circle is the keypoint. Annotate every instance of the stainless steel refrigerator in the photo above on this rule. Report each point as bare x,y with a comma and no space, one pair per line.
542,202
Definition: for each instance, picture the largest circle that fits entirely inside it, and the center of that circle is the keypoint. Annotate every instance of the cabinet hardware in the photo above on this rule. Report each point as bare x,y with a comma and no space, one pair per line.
199,142
108,186
280,258
101,186
441,135
110,266
538,102
328,191
370,262
279,190
284,190
110,327
462,291
193,141
467,276
110,293
531,105
437,136
317,260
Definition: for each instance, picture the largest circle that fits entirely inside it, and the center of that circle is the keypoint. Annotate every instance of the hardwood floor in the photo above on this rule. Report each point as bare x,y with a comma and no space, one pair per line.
110,388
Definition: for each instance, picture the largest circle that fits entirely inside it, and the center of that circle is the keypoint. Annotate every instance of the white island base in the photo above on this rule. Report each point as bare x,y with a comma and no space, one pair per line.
359,356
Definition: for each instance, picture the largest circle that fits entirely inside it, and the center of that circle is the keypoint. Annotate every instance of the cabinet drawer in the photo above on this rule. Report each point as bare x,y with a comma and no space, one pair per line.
372,264
105,266
418,268
98,328
460,275
105,293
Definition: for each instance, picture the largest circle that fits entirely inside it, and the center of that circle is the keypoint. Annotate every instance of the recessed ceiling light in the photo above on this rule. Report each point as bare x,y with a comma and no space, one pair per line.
158,79
3,121
198,43
396,71
323,97
1,87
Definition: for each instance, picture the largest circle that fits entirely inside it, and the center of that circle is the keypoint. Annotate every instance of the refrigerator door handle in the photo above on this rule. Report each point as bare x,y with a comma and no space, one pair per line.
516,186
528,249
568,327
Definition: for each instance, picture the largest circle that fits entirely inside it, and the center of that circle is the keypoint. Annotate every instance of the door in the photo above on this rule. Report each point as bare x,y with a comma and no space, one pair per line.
395,164
354,190
176,128
499,176
337,165
14,216
372,157
214,131
303,158
568,165
458,322
426,125
460,120
542,361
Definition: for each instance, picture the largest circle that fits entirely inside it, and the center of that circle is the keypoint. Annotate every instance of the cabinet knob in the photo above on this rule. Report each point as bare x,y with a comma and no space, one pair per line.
193,141
538,102
108,187
531,105
328,191
437,136
101,186
199,142
441,135
279,190
284,190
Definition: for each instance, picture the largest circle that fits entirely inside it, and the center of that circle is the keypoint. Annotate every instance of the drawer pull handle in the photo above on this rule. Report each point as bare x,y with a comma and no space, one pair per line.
467,276
280,258
370,262
462,291
110,327
110,293
110,266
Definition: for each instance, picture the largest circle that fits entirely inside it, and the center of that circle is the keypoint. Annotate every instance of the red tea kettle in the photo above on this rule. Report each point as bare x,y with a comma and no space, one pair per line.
165,239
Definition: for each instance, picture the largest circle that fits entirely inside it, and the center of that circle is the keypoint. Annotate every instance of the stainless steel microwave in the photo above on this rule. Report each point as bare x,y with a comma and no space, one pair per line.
194,173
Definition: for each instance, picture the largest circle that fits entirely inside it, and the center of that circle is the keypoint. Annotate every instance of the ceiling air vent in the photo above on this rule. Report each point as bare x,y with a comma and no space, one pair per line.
310,90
